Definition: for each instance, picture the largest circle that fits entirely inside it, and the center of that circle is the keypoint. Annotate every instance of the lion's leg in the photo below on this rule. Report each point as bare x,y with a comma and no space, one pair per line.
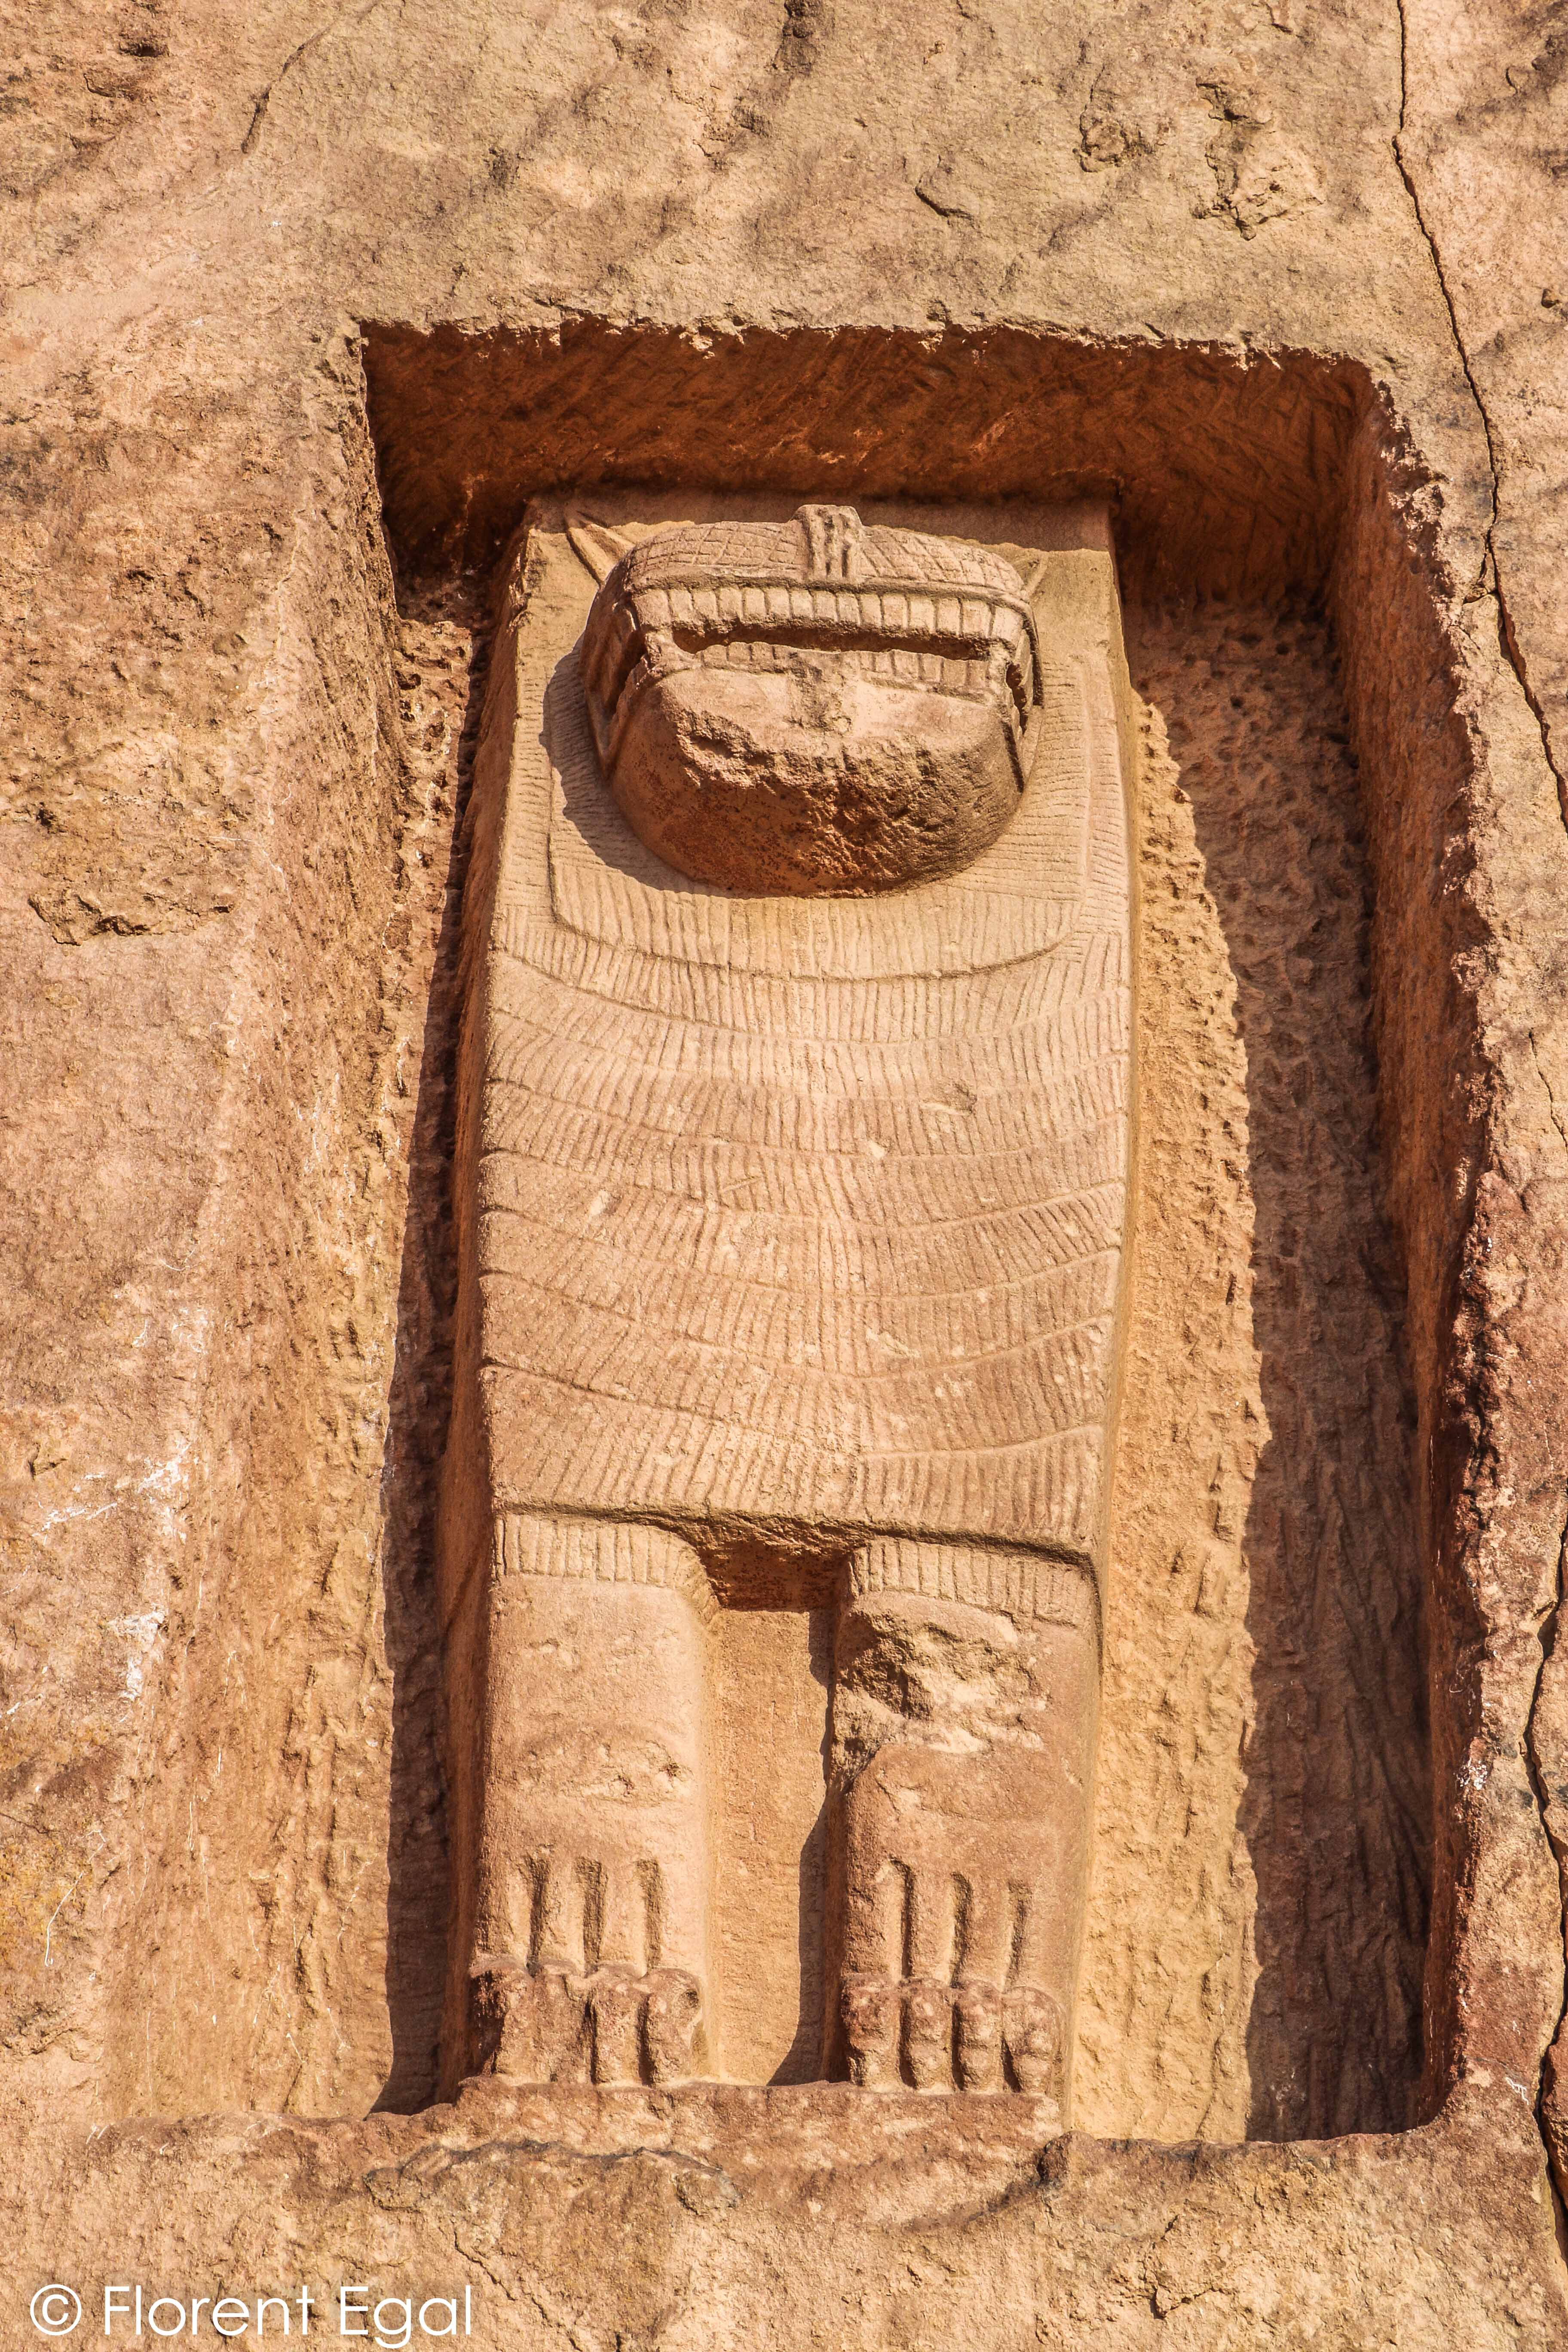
964,1712
589,1958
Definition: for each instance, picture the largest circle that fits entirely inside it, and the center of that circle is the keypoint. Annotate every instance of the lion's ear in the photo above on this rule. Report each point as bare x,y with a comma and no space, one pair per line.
1032,576
595,544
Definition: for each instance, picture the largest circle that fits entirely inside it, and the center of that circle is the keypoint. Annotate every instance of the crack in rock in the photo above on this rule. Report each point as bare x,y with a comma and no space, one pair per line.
1508,639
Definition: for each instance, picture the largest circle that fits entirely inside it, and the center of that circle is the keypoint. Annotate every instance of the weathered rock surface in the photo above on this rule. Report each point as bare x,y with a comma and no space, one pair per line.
1287,283
816,2216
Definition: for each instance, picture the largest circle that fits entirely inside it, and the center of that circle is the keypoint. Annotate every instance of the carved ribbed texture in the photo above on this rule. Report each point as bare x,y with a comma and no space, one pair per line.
809,1210
607,1551
1020,1584
785,550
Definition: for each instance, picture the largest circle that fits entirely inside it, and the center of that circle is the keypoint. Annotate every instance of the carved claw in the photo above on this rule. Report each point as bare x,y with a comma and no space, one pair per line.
870,2007
977,2053
928,2034
615,2001
1032,2035
672,2021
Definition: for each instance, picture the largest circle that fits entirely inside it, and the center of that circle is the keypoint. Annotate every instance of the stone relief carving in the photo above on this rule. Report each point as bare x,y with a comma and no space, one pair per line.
813,706
794,1169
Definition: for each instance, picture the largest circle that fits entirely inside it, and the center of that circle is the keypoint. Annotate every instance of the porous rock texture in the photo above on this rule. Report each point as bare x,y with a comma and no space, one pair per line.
302,303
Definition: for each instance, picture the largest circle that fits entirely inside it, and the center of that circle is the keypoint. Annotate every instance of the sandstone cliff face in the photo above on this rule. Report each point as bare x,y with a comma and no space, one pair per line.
301,306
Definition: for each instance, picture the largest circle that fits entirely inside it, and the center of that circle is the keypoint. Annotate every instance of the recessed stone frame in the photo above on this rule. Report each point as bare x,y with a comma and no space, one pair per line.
1240,488
1275,488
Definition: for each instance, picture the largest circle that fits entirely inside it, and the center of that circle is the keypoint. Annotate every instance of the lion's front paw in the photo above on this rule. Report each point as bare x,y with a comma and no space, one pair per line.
971,2036
594,2001
1032,2038
606,2025
950,1926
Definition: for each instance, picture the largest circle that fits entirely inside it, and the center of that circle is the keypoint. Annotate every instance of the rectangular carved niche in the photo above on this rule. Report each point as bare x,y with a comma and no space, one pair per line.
1256,1915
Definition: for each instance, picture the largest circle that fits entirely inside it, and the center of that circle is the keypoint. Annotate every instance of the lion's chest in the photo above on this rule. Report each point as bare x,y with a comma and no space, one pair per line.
806,1212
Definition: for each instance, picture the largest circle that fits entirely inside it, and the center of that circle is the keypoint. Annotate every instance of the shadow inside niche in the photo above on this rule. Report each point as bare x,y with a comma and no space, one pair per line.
419,1408
1336,1811
803,2063
771,1685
